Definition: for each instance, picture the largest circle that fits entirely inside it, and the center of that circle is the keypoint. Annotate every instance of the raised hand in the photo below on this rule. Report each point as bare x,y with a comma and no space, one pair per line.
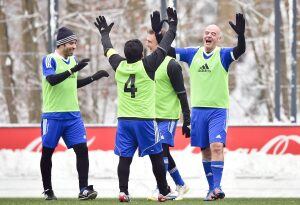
156,22
102,26
172,16
239,27
81,64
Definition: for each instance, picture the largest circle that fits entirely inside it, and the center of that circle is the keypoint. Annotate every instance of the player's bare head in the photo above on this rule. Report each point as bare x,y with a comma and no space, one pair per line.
133,50
211,37
151,41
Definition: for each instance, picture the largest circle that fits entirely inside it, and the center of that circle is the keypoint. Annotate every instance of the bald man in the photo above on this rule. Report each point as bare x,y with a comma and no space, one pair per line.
209,66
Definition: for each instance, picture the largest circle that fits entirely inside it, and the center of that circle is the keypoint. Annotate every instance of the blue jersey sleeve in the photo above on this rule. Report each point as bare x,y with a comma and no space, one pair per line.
227,58
186,54
49,66
76,60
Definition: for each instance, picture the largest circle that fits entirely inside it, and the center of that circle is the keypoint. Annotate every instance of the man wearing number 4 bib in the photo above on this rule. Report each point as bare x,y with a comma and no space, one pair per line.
136,104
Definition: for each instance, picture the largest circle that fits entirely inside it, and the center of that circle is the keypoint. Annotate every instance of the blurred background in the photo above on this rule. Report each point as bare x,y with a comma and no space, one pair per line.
263,84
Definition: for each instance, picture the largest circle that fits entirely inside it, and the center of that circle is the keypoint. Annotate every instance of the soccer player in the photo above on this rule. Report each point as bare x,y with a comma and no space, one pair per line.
209,66
61,116
136,104
169,95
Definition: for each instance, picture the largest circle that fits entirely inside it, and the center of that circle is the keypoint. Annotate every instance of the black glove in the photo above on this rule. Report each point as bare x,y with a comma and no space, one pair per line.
172,16
186,127
100,74
102,26
156,23
239,28
81,64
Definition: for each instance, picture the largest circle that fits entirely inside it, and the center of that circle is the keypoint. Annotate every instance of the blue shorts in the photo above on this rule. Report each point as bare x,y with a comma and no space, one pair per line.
132,134
167,131
208,125
72,131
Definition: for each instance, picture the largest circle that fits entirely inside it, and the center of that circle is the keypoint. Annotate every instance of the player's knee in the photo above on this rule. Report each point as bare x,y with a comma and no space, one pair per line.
81,150
216,149
47,153
124,165
166,151
156,159
155,156
126,161
206,154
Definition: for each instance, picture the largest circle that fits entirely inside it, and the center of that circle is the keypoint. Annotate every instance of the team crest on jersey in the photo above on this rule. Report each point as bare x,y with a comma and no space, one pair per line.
48,62
204,68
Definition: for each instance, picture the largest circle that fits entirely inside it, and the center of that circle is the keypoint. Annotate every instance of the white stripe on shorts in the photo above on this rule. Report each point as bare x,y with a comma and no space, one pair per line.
45,126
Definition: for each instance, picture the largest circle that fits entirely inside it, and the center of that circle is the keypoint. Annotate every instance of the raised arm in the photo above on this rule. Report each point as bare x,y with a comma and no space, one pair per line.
168,38
104,29
152,61
156,25
239,29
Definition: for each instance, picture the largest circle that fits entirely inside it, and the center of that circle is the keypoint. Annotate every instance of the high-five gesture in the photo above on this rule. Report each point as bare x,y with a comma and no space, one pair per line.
239,27
172,16
102,26
80,65
156,22
100,74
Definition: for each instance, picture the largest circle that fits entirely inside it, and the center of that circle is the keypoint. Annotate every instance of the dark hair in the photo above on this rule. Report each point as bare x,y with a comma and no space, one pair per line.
133,50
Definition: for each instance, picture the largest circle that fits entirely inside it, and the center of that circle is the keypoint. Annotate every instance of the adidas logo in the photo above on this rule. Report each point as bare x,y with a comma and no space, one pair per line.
85,192
204,68
209,174
218,137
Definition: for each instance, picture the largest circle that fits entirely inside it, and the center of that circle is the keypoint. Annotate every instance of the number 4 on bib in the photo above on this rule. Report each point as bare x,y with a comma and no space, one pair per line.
131,88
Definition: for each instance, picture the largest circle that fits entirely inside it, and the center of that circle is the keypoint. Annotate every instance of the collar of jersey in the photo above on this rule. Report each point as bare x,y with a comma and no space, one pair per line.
67,61
208,55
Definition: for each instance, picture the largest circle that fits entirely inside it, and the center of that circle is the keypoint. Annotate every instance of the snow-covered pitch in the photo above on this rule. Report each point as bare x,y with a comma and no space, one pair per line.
245,175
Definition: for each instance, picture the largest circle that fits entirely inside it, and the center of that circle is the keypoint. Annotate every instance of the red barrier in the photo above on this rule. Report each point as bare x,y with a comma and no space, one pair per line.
265,139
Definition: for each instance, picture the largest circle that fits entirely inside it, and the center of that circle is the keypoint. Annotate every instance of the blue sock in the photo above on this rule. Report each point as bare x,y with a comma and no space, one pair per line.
166,162
176,176
208,174
217,170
